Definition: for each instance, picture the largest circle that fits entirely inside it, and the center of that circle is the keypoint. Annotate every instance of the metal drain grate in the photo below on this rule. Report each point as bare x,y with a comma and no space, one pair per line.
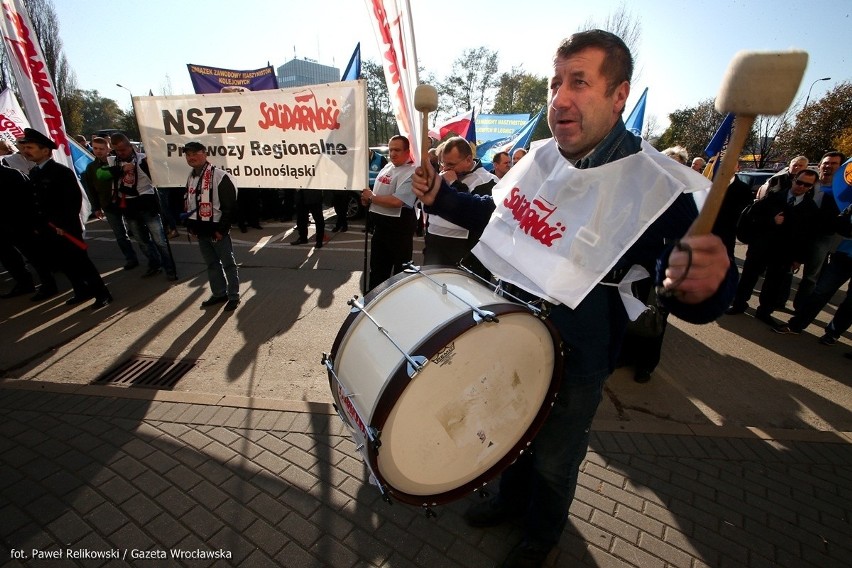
147,372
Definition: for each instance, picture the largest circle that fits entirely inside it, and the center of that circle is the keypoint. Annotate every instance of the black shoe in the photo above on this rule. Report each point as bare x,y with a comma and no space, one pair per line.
131,264
243,229
785,329
43,294
736,310
642,376
78,298
489,513
827,339
527,555
172,276
299,241
765,317
102,301
213,300
152,272
19,290
232,305
318,245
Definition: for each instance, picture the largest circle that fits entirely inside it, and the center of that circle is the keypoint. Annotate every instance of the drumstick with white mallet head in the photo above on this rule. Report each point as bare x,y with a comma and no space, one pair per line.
757,82
425,101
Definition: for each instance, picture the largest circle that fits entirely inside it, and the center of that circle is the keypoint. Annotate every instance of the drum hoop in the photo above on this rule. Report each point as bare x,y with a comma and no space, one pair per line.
399,380
346,326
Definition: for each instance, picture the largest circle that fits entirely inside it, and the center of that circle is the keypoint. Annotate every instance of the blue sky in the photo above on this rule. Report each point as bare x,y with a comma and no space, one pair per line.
683,52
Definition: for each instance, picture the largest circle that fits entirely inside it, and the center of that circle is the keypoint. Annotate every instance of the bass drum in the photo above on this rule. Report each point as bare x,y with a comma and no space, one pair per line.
434,433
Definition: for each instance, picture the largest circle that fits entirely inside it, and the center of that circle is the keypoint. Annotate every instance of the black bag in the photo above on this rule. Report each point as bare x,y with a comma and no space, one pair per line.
746,229
651,322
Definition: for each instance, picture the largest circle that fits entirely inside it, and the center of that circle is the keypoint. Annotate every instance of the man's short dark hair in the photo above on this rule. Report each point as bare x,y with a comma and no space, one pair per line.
119,138
499,156
405,143
834,154
808,172
617,66
459,143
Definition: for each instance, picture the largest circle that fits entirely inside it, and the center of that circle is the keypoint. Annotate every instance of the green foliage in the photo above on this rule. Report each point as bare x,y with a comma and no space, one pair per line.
97,113
381,123
820,126
692,128
468,85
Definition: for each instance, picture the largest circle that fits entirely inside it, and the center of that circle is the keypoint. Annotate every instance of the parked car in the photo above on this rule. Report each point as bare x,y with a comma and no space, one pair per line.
755,178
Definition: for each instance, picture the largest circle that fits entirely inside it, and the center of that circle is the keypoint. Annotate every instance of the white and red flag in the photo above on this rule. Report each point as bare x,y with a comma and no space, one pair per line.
12,118
38,93
395,35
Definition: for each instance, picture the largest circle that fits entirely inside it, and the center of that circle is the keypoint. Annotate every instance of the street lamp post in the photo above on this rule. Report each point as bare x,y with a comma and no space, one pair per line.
809,90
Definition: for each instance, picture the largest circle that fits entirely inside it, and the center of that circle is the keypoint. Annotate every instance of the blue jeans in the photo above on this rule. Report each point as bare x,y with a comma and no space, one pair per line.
543,480
119,230
147,228
834,274
222,270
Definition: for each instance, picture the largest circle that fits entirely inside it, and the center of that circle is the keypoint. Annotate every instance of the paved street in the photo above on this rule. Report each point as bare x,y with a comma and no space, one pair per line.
737,453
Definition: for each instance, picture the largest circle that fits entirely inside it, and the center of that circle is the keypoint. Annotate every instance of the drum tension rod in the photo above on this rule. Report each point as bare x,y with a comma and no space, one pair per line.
479,314
415,364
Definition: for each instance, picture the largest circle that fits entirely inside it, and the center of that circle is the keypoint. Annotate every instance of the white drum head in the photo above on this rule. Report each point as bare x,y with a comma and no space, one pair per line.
466,410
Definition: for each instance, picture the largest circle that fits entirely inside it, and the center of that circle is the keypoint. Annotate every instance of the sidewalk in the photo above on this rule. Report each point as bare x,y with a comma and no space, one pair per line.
238,481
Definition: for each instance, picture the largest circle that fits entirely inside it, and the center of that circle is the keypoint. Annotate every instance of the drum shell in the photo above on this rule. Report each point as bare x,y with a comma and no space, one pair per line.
377,374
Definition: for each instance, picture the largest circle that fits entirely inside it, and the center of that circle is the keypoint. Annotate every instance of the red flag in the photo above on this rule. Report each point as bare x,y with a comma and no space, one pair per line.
460,124
38,94
395,35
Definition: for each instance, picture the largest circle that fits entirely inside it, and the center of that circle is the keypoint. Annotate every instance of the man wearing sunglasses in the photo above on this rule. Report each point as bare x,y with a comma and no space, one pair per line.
783,225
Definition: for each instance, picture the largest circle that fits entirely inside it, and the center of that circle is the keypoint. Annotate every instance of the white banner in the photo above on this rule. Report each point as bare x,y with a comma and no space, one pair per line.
307,137
395,36
12,118
37,90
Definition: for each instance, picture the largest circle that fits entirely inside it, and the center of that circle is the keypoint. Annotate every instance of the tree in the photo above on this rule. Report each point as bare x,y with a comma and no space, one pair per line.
46,27
468,85
761,145
381,123
692,128
843,142
623,24
98,113
519,92
819,126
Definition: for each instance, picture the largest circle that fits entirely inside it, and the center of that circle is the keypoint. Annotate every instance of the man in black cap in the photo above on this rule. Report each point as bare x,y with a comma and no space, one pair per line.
57,200
211,199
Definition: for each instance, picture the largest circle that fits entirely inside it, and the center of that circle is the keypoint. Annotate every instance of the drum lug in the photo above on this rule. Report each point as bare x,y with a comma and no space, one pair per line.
375,438
415,365
429,512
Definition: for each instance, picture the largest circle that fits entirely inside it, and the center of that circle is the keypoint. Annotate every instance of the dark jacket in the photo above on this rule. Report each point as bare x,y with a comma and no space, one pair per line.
592,333
57,198
18,207
787,242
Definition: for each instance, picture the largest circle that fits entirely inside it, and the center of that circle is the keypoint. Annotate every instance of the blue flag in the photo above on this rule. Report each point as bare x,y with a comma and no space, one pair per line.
80,157
717,145
519,139
636,118
353,69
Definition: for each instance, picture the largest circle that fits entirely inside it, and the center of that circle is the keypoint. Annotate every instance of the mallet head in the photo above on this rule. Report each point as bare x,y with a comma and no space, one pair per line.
761,82
425,98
